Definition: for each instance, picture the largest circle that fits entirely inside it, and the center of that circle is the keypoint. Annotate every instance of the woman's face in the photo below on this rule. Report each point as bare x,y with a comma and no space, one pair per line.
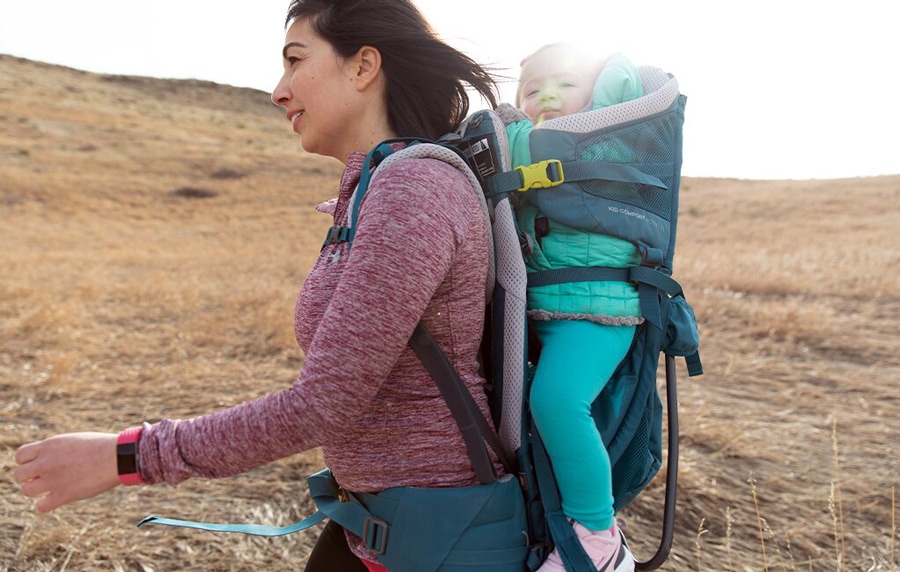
318,93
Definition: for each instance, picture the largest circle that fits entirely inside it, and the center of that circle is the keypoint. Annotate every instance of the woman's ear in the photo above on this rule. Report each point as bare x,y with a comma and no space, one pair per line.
367,64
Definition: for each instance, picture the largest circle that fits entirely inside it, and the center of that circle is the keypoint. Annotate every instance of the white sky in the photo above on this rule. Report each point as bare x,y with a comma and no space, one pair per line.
777,89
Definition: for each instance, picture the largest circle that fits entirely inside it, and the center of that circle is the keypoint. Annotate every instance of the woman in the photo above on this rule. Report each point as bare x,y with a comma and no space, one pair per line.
355,73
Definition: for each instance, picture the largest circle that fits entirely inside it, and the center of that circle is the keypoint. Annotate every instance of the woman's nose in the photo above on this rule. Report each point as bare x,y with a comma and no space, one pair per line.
282,93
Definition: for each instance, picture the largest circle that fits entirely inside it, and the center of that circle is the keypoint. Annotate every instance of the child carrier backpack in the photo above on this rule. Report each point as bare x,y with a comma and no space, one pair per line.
635,200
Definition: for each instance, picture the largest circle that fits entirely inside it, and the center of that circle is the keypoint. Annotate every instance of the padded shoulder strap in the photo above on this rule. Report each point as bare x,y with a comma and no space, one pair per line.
382,156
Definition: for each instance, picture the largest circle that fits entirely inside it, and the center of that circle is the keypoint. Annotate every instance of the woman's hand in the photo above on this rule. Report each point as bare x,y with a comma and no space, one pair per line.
67,468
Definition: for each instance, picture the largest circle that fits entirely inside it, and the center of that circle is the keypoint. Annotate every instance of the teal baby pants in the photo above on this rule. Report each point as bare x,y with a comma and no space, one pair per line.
577,359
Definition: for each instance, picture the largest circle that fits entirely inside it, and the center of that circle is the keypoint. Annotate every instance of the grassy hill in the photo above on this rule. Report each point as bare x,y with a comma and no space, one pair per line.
154,235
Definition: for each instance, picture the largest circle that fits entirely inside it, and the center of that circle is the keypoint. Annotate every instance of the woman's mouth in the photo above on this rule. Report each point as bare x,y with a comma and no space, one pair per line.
295,118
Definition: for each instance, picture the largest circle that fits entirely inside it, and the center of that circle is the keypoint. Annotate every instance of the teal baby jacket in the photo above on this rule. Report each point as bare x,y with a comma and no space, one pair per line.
554,245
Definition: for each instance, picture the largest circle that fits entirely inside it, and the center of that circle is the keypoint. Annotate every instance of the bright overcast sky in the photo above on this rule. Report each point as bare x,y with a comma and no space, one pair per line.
776,89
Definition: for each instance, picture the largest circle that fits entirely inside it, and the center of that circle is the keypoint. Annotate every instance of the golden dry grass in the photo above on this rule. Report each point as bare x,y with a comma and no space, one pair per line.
125,297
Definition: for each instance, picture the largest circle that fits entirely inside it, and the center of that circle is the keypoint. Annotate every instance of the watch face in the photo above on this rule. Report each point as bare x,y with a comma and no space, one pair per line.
126,458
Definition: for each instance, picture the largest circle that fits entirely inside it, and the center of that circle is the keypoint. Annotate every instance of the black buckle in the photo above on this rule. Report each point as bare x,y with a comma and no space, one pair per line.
337,234
375,534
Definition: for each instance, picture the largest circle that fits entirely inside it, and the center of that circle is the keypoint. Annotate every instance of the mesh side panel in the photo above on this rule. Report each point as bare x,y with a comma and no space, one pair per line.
646,143
512,278
634,466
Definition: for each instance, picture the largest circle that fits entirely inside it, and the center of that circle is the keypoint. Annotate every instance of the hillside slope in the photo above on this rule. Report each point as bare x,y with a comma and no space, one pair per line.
154,235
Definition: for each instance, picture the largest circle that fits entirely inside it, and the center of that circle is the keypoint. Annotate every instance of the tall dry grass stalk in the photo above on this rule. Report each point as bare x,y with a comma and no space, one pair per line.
837,503
729,528
701,530
760,522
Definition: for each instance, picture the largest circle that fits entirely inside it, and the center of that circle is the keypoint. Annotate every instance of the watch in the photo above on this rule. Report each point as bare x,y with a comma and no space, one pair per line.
127,456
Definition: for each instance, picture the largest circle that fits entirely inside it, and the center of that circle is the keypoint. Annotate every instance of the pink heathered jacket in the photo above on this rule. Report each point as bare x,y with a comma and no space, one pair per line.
420,252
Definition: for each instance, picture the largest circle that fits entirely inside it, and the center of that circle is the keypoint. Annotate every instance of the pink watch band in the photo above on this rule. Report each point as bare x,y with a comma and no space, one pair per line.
127,456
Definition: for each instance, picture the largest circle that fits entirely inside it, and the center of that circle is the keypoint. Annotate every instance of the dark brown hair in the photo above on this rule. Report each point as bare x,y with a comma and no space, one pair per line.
426,78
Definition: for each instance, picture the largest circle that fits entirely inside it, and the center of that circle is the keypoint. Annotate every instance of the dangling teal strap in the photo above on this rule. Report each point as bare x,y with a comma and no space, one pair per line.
254,529
694,366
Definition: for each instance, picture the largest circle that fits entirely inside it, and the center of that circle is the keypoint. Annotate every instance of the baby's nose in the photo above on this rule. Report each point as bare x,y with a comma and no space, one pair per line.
550,100
549,95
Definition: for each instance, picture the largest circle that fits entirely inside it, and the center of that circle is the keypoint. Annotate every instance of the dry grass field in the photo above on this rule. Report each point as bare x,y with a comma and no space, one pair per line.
154,235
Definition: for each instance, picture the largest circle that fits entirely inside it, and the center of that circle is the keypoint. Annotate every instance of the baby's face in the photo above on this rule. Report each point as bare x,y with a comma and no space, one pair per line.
555,82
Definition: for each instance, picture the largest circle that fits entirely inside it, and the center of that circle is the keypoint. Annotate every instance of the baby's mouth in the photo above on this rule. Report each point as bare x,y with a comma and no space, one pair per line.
545,115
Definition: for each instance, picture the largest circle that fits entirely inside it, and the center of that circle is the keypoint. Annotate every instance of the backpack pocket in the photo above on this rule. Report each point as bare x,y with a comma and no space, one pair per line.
682,336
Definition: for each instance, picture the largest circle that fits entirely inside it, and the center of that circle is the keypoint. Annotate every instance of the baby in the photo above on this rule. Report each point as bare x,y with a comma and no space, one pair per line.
586,328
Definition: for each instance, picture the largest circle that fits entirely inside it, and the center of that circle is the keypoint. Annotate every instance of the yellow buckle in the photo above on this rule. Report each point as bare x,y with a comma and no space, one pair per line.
541,175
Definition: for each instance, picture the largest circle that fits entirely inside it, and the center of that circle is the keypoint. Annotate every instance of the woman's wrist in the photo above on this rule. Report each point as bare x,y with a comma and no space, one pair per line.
127,458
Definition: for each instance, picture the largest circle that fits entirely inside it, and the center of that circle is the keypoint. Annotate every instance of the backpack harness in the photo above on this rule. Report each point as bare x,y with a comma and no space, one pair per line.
636,201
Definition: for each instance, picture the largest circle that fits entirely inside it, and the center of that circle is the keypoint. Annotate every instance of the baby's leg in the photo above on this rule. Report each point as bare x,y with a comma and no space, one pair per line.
577,359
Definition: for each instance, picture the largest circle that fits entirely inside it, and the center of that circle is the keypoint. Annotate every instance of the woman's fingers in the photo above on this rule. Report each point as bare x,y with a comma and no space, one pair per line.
34,487
27,453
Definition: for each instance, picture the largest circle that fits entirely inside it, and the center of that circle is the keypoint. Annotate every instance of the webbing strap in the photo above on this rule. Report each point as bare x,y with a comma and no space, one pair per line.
694,366
561,531
649,281
336,234
601,171
474,426
373,158
345,508
576,274
638,274
573,171
254,529
333,503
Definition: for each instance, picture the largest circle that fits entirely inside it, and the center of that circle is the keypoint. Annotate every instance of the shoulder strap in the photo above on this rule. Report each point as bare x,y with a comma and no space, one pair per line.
474,426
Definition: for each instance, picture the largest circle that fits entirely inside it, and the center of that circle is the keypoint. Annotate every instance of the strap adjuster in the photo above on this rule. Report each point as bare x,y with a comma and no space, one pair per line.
375,534
336,235
541,175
